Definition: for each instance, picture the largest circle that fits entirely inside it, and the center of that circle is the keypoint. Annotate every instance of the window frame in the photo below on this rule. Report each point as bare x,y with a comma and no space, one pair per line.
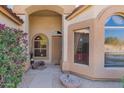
77,31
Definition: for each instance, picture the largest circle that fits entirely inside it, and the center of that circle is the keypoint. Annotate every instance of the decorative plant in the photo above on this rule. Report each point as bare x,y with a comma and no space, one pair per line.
13,54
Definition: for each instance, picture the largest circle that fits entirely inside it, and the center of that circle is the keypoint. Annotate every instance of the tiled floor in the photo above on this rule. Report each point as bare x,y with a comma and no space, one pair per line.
49,78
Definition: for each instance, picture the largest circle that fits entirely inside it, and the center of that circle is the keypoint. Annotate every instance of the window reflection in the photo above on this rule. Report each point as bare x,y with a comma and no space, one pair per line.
114,41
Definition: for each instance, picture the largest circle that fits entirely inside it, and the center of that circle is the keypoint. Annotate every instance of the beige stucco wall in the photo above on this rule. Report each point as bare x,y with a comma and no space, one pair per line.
25,25
25,10
65,33
5,20
46,25
101,71
96,69
89,13
69,65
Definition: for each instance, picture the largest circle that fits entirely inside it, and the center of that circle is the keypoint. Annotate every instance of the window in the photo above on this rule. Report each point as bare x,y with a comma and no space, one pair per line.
81,46
40,46
114,41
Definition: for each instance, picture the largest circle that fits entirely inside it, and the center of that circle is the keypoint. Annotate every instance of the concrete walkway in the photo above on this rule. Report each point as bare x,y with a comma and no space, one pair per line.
49,78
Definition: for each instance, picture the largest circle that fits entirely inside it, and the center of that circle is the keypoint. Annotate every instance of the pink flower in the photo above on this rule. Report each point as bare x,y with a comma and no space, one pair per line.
25,34
2,26
25,41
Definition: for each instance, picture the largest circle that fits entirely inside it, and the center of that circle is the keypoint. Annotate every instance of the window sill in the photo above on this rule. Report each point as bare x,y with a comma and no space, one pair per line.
112,66
82,65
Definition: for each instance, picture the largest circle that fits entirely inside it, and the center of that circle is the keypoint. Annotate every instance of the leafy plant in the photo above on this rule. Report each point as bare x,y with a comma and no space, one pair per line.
13,54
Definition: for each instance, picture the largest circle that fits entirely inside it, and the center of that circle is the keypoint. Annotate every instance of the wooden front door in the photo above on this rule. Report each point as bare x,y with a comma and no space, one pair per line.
56,49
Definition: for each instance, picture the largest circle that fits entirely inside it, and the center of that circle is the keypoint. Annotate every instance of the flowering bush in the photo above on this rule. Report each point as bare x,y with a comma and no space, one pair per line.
12,55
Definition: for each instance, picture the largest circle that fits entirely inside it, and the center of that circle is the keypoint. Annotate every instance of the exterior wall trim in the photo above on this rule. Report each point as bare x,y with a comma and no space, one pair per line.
109,10
77,11
33,8
95,78
73,67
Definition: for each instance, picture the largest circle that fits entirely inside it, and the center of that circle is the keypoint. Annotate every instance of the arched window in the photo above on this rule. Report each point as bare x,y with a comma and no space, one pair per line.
40,46
114,41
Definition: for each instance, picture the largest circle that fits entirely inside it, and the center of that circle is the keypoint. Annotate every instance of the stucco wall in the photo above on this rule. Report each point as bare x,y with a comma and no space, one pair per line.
46,25
89,13
20,9
101,71
8,22
96,69
69,65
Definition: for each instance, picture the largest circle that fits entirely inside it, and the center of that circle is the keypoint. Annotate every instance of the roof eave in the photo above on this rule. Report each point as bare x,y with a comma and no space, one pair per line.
77,11
8,12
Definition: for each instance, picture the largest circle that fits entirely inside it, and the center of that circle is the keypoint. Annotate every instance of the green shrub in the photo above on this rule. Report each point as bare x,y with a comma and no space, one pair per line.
12,56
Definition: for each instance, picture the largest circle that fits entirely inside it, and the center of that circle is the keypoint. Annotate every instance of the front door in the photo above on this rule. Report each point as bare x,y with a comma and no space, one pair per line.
56,49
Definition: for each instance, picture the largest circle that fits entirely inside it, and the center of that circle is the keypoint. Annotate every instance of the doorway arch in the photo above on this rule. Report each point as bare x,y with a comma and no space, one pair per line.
33,8
47,21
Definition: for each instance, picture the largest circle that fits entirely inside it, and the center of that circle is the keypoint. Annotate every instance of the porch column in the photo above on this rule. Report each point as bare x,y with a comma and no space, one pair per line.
65,66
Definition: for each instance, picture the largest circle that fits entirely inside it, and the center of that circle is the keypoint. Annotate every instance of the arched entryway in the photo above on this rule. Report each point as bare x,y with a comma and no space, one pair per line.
48,21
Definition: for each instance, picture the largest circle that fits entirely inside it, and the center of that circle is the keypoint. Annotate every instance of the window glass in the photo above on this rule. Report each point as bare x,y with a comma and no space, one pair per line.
81,47
114,41
40,46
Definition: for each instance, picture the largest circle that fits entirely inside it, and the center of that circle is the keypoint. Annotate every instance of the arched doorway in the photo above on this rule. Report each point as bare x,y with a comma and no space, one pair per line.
34,8
49,23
